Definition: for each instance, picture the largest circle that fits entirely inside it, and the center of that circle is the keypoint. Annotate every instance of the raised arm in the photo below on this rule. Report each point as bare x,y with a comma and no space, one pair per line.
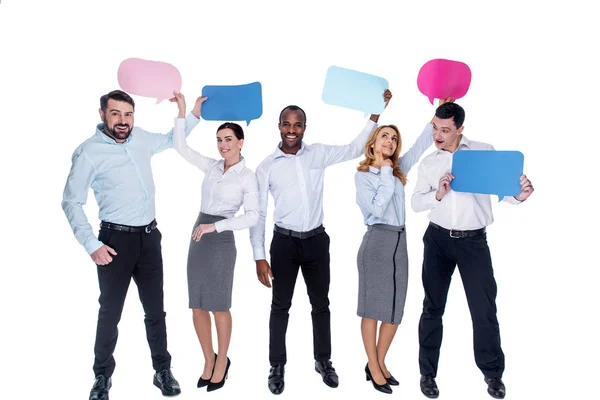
159,142
180,143
374,197
410,158
337,154
75,196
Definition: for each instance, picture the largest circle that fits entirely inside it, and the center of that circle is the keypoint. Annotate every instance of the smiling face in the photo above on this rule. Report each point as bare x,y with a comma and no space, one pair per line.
386,142
291,128
228,144
118,119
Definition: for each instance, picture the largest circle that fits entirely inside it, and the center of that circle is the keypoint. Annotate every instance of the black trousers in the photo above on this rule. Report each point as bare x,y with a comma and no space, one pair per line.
288,255
138,256
441,255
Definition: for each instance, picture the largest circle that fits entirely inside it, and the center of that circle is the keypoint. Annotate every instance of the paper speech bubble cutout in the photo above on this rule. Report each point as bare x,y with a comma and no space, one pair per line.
441,78
354,90
153,79
232,103
487,172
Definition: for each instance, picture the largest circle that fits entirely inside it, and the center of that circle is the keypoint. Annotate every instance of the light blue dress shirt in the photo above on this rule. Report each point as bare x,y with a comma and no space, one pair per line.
120,175
380,195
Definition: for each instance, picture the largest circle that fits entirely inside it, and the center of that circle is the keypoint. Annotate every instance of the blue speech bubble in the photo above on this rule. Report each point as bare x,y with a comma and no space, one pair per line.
487,172
232,103
354,90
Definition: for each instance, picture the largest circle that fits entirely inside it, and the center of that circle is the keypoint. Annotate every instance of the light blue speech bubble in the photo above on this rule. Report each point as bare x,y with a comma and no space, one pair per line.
487,172
232,103
354,90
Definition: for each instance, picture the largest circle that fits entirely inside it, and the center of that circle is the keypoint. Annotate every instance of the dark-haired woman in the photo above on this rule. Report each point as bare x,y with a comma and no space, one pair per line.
228,184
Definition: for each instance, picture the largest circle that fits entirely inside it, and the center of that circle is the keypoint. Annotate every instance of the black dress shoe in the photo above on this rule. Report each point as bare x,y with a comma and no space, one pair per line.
276,383
385,388
327,372
166,382
496,387
392,381
218,385
429,387
204,382
100,388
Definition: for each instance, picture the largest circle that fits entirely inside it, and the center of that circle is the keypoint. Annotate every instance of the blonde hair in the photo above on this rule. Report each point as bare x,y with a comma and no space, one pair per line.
369,160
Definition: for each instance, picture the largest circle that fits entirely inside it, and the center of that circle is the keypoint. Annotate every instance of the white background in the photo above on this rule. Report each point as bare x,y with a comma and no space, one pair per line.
534,89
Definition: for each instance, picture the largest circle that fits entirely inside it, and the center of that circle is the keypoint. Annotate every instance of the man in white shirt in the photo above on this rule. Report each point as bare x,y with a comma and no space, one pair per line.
456,236
294,176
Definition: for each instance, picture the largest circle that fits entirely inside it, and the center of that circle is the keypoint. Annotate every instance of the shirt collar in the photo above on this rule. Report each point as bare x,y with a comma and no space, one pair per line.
237,167
107,139
374,170
464,143
279,153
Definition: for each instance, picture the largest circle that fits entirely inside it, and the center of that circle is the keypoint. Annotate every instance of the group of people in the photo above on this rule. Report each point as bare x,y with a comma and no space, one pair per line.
115,163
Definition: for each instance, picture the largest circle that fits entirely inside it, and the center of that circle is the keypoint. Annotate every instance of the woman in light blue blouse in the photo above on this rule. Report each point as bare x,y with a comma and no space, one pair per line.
382,256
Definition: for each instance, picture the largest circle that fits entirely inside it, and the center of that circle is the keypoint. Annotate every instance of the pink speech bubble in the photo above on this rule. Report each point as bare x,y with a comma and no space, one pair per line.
440,79
147,78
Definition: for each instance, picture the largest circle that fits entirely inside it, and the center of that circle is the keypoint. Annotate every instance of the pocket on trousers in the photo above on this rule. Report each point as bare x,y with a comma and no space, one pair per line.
104,236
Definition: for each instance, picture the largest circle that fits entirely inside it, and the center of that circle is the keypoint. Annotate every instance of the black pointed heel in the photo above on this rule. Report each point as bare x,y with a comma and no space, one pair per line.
218,385
204,382
385,388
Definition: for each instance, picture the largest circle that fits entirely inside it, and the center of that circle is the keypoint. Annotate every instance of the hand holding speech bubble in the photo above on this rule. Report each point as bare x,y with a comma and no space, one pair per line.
232,103
487,172
441,78
354,90
154,79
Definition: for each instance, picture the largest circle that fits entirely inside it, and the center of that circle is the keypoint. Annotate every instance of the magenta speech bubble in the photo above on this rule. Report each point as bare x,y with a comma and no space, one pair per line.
154,79
440,79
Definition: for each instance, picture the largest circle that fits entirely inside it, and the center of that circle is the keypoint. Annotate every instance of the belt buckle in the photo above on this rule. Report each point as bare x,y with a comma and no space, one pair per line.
148,228
454,237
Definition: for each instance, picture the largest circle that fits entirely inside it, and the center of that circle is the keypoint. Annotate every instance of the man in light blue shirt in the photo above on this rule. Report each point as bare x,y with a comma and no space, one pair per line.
115,163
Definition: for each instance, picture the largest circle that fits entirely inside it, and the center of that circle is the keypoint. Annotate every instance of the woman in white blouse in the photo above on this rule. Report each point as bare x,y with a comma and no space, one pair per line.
227,185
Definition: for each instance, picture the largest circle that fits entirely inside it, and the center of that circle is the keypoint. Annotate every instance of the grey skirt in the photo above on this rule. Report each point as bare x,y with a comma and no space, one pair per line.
210,266
382,273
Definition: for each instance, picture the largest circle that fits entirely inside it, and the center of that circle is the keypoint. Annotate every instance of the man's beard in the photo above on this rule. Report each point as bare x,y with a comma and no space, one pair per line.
117,134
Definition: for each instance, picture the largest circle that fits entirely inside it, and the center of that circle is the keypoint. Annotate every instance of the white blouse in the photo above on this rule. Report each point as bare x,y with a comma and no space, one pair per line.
222,193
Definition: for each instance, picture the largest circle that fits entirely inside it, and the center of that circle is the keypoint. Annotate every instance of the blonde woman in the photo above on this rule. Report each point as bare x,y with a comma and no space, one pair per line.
382,257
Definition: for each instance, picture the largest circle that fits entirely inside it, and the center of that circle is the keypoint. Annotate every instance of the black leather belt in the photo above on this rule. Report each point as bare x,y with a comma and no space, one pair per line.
299,235
126,228
455,234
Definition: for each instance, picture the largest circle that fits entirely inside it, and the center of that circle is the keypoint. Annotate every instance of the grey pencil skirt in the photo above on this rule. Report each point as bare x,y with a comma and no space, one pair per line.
210,266
382,273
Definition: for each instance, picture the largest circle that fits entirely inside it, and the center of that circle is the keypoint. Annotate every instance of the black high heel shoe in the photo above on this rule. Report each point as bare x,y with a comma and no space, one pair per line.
385,388
203,382
218,385
392,381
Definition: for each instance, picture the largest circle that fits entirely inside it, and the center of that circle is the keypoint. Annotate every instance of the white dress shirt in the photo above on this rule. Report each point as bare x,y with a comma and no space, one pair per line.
222,193
296,183
456,210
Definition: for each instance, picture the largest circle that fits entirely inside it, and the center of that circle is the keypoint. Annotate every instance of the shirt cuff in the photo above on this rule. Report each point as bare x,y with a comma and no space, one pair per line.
221,225
432,200
180,122
93,245
191,120
259,253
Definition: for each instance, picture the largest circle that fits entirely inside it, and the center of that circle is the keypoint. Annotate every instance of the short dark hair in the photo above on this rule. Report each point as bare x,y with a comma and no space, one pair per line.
451,110
117,95
292,108
237,130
